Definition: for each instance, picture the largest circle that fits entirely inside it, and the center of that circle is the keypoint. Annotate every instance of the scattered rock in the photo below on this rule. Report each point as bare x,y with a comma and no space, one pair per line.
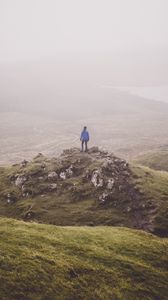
21,179
103,197
52,175
52,186
87,174
62,175
93,150
11,198
24,163
69,171
97,179
13,177
110,184
26,191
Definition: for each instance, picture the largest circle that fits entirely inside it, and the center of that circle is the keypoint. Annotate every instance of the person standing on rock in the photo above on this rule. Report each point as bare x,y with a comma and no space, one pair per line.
84,138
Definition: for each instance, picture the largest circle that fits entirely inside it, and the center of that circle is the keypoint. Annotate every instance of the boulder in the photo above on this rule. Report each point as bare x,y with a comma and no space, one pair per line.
103,197
62,175
93,149
108,165
110,184
97,179
69,171
52,186
86,176
52,175
20,180
24,163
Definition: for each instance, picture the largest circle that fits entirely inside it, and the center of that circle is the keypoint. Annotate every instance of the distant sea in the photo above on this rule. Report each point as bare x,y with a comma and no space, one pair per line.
159,93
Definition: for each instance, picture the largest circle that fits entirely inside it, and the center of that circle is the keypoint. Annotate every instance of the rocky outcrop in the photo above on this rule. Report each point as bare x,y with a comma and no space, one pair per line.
107,174
96,176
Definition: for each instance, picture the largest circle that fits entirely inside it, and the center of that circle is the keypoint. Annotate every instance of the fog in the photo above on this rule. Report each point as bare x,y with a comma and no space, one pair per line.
36,29
61,53
82,62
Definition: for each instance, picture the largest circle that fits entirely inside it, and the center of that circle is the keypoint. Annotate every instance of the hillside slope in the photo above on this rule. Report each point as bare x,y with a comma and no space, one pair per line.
157,160
94,188
49,262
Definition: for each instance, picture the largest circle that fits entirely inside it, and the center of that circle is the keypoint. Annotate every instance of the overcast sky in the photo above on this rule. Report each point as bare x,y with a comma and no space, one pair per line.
35,29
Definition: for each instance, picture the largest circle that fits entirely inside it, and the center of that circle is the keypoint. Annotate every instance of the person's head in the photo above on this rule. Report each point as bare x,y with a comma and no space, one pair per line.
84,128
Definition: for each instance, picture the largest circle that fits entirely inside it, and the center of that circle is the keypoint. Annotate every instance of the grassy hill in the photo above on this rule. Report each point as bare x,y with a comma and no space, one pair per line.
154,188
49,262
157,160
99,189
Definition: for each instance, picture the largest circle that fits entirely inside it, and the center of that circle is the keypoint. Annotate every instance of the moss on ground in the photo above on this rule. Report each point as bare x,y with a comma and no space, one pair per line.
138,200
154,185
50,262
157,160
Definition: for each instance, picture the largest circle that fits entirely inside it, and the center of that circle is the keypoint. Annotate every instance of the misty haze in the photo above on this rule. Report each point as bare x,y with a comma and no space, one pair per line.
78,224
66,65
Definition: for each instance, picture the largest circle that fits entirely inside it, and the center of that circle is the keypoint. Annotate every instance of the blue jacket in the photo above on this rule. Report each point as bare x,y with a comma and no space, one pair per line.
84,135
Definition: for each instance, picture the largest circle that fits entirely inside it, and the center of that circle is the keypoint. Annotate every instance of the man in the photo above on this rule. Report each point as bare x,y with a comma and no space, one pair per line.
84,138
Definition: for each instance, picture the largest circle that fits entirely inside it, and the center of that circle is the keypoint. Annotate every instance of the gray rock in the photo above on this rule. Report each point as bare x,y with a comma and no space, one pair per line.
52,175
93,149
24,163
69,171
11,198
52,186
103,197
26,191
97,179
87,174
62,175
110,184
21,179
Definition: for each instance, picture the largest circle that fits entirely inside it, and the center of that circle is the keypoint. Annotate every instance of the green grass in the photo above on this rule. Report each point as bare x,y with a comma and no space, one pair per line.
63,207
49,262
154,185
143,203
157,160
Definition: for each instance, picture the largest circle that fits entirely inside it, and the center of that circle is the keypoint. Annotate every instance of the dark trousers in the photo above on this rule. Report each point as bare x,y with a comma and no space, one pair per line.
84,142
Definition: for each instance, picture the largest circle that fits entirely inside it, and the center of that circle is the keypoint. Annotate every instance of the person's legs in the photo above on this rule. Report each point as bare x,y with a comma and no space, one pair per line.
82,145
86,149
